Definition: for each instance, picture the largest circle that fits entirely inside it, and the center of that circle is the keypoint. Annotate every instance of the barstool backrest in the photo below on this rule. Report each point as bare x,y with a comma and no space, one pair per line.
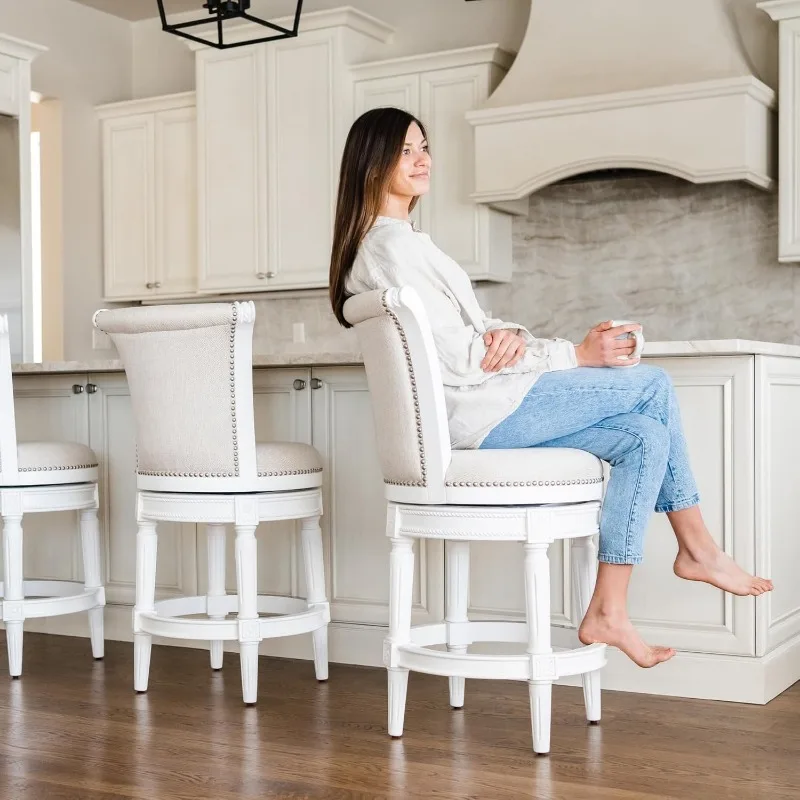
190,374
407,394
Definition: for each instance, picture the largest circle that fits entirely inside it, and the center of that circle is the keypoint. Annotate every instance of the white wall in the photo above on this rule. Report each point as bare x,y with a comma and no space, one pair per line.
89,62
10,237
164,64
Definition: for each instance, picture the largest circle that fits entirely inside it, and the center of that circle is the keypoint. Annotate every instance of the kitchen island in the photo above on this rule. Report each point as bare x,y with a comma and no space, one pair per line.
740,403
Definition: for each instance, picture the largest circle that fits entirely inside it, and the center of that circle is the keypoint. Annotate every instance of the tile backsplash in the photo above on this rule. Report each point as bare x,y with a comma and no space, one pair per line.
688,261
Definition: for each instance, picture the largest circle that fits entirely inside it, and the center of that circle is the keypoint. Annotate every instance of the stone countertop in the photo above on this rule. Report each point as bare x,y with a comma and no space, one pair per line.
274,360
710,347
721,347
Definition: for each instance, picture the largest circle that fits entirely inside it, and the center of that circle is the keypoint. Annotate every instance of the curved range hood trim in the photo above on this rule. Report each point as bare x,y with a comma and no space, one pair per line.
708,131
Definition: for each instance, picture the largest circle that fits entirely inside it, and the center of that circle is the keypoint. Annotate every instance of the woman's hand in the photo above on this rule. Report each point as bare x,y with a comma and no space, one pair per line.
504,348
601,348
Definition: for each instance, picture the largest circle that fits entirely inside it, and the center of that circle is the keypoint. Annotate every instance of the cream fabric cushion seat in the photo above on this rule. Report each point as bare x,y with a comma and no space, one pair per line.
523,476
48,463
287,465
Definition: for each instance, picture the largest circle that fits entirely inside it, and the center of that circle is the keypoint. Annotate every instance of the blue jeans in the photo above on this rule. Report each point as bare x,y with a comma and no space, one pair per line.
628,417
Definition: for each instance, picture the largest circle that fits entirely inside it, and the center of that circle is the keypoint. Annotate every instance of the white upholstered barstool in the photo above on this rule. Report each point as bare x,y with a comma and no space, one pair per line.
190,373
533,496
37,477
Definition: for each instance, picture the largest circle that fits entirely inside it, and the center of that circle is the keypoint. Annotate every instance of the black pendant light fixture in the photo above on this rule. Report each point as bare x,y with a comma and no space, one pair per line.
223,16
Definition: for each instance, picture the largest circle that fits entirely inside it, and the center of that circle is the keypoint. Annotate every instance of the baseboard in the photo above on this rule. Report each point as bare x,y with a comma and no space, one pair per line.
739,679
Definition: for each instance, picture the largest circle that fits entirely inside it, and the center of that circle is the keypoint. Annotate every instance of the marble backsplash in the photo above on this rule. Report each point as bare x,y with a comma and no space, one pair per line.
688,261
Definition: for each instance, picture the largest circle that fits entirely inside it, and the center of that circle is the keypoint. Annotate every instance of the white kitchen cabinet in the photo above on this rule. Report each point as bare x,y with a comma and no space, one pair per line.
112,436
354,522
787,14
232,163
149,197
440,89
96,410
282,408
777,416
9,85
716,399
742,421
51,407
271,125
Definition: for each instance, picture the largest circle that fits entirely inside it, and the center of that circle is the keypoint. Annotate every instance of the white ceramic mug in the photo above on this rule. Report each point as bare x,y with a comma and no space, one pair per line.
634,356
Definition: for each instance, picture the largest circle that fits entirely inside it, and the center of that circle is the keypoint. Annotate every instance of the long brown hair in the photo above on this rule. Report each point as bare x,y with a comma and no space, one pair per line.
371,154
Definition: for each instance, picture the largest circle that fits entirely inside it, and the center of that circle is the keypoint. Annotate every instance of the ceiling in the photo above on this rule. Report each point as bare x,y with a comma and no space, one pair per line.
140,9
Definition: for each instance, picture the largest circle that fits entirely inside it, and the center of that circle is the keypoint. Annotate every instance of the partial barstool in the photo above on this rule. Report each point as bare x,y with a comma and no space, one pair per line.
37,477
532,496
190,374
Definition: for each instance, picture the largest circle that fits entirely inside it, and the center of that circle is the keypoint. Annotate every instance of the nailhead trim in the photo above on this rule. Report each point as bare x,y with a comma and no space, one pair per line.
574,482
233,391
54,469
289,472
417,413
186,474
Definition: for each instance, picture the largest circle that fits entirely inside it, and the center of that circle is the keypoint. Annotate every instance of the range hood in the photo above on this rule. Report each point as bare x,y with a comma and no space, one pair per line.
663,85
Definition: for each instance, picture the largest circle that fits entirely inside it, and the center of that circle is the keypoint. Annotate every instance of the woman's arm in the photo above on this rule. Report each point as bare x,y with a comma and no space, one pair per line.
561,353
399,260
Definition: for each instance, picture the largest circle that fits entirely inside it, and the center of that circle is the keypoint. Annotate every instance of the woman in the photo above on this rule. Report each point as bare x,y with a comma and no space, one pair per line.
507,389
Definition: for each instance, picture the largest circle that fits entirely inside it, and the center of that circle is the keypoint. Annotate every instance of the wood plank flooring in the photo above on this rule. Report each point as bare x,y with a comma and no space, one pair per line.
73,729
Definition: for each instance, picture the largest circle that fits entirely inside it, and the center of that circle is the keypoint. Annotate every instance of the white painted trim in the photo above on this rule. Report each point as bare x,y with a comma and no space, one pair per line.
740,679
347,17
746,86
781,9
446,59
19,48
147,105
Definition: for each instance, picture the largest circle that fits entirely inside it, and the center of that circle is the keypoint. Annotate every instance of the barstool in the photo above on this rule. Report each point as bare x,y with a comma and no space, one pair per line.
37,477
533,496
190,373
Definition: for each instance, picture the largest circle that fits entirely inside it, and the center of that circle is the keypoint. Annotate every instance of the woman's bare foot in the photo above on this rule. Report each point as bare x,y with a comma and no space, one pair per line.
618,632
711,565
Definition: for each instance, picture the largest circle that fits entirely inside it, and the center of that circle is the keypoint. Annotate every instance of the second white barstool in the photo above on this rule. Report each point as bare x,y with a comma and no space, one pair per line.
531,496
189,369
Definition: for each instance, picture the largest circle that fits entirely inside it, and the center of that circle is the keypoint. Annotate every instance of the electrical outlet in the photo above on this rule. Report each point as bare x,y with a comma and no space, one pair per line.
100,340
298,332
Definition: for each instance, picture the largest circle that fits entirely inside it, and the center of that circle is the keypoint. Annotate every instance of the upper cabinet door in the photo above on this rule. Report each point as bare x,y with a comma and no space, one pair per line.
232,168
439,89
9,85
176,201
128,208
400,91
477,237
149,197
303,156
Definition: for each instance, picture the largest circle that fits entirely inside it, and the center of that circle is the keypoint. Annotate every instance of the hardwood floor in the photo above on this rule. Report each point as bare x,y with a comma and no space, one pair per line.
72,729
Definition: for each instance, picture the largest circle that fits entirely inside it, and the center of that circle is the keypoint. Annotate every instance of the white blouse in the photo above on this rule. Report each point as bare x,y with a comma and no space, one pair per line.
395,253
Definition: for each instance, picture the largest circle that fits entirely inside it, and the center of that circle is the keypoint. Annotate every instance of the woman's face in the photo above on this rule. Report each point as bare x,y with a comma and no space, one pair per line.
412,177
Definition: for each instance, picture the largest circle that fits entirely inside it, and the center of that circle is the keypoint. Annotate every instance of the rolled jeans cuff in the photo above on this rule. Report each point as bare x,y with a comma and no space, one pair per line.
609,559
678,505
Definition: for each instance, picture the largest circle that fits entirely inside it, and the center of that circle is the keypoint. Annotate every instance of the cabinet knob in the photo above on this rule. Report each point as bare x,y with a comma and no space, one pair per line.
157,285
264,275
270,274
91,388
299,384
77,388
316,383
149,285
